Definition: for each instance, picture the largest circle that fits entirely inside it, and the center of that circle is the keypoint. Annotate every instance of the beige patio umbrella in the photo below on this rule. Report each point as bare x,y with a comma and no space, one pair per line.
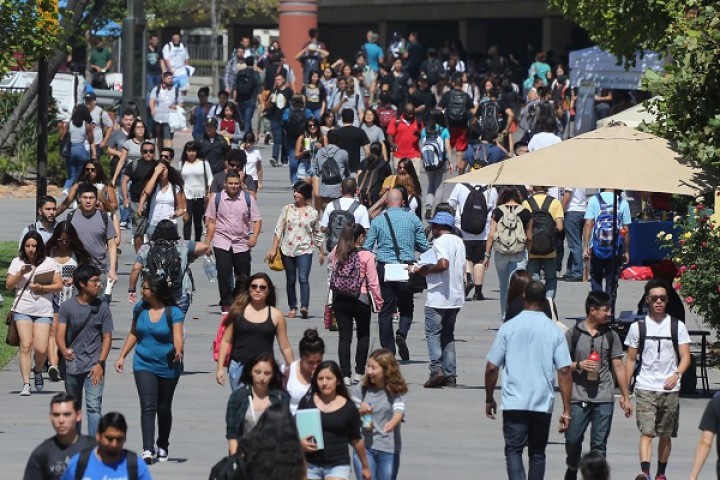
616,156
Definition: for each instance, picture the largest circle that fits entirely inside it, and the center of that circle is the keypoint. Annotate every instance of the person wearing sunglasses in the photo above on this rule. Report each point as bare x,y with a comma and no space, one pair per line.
252,325
135,173
306,147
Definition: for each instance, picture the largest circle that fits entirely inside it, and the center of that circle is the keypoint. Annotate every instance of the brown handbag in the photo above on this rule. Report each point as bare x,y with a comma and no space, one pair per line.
276,263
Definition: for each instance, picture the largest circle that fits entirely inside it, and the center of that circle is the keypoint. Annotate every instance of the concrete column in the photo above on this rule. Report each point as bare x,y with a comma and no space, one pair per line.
556,33
474,35
296,17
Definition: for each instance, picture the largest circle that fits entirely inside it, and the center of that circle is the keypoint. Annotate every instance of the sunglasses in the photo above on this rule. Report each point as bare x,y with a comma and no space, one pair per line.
655,298
148,151
310,125
168,156
257,286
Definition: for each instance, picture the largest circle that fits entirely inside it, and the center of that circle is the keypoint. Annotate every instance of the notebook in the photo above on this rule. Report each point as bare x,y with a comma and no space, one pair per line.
309,425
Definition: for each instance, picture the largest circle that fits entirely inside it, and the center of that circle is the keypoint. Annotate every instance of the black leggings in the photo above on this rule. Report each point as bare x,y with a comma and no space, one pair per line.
156,396
346,309
196,209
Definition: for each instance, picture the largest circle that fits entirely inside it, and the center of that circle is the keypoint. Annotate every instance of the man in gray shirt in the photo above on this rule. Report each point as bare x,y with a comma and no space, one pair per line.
84,336
330,166
101,119
592,398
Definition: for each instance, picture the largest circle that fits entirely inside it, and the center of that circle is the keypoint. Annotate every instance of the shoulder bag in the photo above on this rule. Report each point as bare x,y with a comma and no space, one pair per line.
416,283
276,263
13,337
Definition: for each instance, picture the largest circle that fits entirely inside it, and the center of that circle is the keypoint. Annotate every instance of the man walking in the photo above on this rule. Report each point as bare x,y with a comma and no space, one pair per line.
153,63
49,460
102,121
596,353
530,348
330,167
445,298
404,136
163,99
662,346
84,336
175,60
398,234
233,226
575,204
342,211
547,220
46,208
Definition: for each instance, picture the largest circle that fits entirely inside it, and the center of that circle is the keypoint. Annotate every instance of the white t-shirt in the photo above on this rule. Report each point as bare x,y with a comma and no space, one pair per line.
254,157
162,205
578,201
658,363
360,214
542,140
447,289
198,177
30,303
176,55
457,201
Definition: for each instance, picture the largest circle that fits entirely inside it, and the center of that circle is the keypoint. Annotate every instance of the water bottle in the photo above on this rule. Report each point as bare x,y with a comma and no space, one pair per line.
210,269
594,374
367,419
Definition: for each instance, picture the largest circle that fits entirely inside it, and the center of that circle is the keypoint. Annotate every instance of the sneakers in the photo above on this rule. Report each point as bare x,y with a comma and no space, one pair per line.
357,377
436,380
54,373
660,476
267,140
162,455
25,392
273,162
402,348
642,476
39,382
347,381
148,456
428,212
451,382
469,284
124,226
478,295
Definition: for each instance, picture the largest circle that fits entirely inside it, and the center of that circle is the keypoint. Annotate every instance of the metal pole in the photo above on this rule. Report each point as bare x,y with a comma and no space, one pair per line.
615,253
42,142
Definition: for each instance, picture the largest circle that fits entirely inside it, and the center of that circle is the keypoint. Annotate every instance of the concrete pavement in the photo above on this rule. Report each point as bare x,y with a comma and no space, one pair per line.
445,435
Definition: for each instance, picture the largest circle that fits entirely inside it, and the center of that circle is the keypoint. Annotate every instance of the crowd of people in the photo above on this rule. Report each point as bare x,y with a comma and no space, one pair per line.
356,136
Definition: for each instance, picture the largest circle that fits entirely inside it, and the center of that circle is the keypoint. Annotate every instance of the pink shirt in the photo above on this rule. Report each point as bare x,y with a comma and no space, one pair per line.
233,225
368,271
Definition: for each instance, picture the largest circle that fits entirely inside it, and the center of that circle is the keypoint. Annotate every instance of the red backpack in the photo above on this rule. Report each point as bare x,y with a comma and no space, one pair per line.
218,341
386,115
346,277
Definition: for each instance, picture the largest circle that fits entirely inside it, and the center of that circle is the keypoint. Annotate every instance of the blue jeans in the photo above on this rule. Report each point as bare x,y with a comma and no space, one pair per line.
152,80
574,223
547,265
294,267
600,415
278,140
315,113
74,385
506,264
292,161
78,157
440,335
247,110
383,465
520,428
235,370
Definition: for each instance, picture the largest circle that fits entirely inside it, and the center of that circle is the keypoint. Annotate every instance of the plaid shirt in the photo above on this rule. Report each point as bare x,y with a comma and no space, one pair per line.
238,405
408,230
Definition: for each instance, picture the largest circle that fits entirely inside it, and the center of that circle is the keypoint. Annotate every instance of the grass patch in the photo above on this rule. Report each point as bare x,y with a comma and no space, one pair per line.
8,251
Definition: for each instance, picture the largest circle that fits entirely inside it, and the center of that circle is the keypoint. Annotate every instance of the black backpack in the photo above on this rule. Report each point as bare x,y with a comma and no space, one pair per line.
473,217
163,260
229,468
296,123
456,110
337,220
689,378
330,173
244,83
544,229
488,119
575,333
84,458
433,70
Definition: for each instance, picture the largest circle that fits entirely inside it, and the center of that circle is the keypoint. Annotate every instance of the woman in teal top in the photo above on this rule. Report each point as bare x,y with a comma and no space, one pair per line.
541,68
156,334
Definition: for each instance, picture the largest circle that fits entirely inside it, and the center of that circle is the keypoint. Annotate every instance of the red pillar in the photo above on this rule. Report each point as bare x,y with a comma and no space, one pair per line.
295,19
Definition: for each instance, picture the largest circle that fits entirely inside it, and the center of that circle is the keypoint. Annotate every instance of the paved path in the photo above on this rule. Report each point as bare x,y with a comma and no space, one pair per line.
446,434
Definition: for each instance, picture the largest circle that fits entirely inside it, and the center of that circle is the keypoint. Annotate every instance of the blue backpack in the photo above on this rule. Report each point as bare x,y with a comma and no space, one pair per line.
604,231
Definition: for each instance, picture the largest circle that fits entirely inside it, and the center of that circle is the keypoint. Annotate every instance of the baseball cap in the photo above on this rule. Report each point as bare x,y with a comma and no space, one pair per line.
90,96
211,122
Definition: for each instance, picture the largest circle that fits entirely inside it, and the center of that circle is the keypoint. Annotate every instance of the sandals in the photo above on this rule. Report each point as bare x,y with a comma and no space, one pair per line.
292,313
304,312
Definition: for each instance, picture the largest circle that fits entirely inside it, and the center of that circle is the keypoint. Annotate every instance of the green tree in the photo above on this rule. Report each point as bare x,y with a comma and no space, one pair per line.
23,45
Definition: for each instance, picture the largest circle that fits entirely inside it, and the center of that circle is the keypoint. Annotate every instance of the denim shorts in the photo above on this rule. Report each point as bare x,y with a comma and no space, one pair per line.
21,317
315,472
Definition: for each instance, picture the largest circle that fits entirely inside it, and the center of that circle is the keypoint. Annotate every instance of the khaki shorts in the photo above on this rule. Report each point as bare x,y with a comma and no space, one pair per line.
657,413
139,223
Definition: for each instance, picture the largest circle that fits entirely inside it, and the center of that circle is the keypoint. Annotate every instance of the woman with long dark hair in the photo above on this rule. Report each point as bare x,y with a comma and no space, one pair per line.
340,424
92,173
306,148
262,387
132,148
315,95
298,374
80,129
515,298
406,177
328,122
156,333
436,130
371,127
164,190
33,305
251,327
349,256
374,170
230,126
197,177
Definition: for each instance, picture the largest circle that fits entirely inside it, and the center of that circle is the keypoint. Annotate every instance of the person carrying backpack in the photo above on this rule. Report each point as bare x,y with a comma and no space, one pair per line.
435,158
330,167
294,120
343,211
510,234
606,240
547,220
458,107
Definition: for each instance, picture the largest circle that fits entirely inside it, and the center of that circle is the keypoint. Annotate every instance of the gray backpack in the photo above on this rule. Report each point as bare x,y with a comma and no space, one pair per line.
510,232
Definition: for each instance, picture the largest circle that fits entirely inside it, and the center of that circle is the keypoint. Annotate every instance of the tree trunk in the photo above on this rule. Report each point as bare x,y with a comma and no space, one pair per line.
214,25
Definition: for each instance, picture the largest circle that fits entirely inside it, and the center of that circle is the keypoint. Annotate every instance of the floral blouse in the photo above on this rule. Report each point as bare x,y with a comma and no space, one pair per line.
299,233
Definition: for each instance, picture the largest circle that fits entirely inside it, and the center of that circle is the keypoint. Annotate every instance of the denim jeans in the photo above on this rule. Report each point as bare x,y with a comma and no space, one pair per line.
506,264
435,189
602,269
346,310
74,385
292,160
440,335
395,296
383,465
247,110
235,370
547,265
78,157
574,223
152,80
125,213
295,267
156,396
278,141
233,268
520,428
315,113
600,416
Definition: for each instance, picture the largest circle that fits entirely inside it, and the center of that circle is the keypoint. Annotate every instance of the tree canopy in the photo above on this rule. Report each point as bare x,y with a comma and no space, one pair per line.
30,30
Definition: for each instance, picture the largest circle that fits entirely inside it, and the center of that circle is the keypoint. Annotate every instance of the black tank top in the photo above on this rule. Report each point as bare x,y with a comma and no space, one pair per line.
251,339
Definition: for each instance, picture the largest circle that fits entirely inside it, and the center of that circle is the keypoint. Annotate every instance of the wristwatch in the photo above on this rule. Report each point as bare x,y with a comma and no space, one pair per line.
578,367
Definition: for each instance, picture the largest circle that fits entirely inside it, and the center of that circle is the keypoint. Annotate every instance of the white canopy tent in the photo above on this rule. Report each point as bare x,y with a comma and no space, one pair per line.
632,117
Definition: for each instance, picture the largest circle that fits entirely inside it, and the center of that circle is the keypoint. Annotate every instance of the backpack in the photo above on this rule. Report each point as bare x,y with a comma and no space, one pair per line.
432,150
84,458
386,115
295,126
509,234
575,336
337,220
157,93
218,340
529,116
367,180
604,232
473,217
544,229
164,260
231,467
456,110
244,83
642,336
330,171
433,70
346,278
488,119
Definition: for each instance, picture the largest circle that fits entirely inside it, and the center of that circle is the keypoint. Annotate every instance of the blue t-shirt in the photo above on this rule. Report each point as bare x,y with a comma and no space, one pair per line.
374,54
155,340
99,470
593,208
530,348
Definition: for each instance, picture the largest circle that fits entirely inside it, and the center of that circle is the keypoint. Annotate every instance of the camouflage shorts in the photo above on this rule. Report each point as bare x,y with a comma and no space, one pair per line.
657,413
